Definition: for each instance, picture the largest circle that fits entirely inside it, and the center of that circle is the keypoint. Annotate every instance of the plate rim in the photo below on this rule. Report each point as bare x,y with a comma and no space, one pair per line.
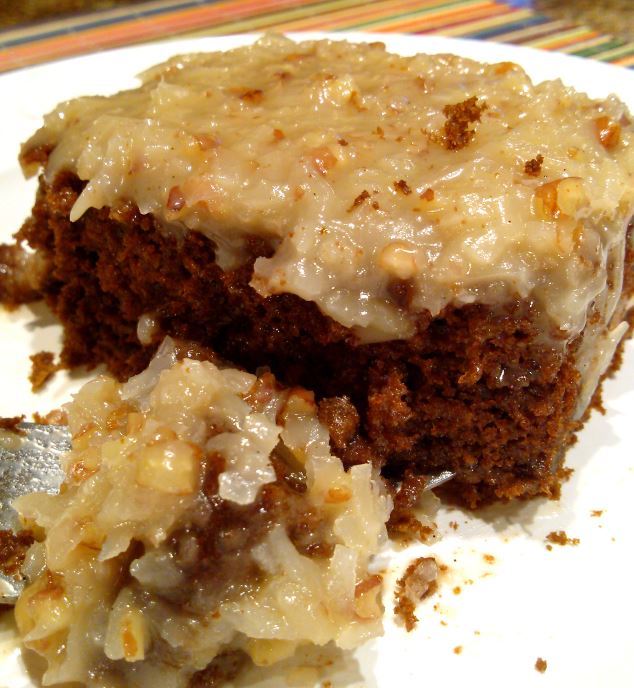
483,51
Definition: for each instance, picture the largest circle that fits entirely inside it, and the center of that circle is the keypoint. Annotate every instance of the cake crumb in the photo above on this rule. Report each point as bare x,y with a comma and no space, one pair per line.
596,513
560,537
417,583
54,417
403,524
10,424
457,650
341,418
456,132
43,367
13,548
359,200
402,187
564,474
533,167
457,590
541,665
489,558
20,275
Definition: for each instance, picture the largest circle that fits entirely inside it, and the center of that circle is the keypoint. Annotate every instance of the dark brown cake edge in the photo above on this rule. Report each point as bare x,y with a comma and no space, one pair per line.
471,392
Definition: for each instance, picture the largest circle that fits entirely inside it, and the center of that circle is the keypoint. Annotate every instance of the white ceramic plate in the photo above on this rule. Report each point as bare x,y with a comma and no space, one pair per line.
571,606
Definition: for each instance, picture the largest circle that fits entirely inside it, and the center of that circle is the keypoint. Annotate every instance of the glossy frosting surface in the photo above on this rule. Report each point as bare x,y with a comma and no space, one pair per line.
353,163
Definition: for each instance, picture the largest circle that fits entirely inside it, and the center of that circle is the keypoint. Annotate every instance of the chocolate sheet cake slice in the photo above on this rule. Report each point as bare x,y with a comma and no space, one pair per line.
439,241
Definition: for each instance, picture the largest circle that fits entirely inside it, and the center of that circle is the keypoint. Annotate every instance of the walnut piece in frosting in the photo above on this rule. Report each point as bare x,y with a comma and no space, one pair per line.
202,517
327,150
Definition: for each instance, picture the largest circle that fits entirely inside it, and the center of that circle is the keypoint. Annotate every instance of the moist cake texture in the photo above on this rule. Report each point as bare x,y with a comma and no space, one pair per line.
439,240
203,523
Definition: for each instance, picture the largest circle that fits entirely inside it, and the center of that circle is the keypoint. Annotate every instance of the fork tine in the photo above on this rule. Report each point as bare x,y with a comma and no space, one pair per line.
29,462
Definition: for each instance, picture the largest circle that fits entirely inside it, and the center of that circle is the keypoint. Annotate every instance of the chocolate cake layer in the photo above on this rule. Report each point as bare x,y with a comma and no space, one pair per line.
475,390
440,242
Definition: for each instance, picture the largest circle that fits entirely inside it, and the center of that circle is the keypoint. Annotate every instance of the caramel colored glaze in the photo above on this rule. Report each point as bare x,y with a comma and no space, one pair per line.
474,390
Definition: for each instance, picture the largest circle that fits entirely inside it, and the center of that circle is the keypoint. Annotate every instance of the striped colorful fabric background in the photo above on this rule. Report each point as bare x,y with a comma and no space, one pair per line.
509,22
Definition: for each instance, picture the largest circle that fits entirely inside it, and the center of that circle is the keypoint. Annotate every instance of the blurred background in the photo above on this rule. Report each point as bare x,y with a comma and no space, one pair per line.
14,12
610,16
36,31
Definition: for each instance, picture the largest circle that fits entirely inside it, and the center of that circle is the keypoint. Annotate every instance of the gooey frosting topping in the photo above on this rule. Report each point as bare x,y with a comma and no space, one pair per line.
386,185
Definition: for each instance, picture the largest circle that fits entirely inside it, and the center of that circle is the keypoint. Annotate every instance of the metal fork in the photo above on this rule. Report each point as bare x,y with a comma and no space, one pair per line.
30,462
